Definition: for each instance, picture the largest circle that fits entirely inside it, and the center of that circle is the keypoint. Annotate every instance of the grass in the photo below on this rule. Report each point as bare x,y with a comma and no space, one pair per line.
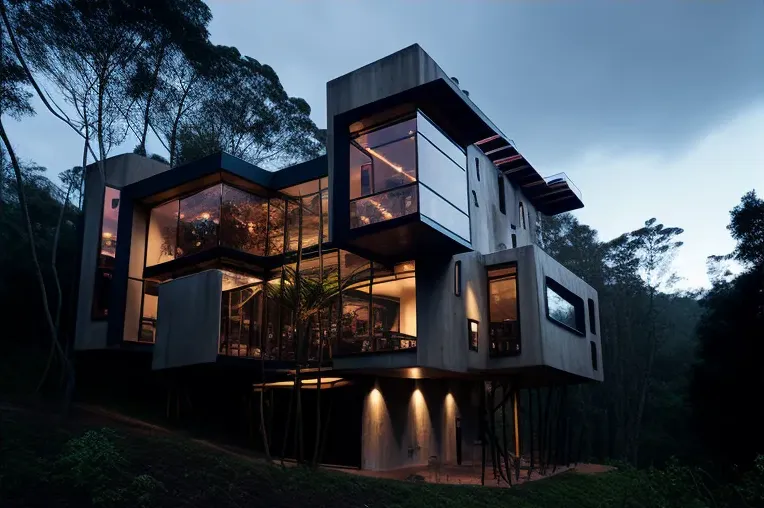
49,461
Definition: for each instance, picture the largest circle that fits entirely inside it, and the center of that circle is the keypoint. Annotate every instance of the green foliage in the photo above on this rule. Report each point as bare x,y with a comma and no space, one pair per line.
747,228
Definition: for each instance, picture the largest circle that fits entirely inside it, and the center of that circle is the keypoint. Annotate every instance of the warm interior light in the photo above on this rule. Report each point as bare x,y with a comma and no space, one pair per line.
106,234
323,380
393,165
205,216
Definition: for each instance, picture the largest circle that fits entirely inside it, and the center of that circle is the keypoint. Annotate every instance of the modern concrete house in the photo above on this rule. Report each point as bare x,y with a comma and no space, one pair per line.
420,229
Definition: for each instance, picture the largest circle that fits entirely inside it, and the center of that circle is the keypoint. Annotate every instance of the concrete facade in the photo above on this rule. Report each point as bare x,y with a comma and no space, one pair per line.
120,171
189,320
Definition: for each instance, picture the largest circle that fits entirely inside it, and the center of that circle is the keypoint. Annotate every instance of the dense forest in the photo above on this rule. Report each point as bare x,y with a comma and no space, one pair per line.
683,372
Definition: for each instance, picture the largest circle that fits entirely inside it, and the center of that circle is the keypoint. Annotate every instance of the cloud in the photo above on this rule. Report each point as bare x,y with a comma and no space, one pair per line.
694,190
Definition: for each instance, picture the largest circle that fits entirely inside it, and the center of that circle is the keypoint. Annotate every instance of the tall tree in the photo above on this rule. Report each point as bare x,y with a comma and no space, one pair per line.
248,114
727,379
181,33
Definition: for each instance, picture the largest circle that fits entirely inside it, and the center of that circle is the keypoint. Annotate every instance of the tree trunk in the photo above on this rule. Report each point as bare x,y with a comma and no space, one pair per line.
33,249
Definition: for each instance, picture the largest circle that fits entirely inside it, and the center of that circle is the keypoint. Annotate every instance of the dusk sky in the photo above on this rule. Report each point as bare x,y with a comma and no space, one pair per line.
652,108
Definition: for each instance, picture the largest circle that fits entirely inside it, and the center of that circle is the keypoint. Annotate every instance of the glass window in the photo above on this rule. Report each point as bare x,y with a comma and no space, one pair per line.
522,216
163,234
149,314
106,253
383,159
302,189
592,326
440,174
564,307
477,168
244,223
388,134
472,334
276,227
441,211
293,225
325,215
199,221
382,207
311,218
437,138
504,325
593,349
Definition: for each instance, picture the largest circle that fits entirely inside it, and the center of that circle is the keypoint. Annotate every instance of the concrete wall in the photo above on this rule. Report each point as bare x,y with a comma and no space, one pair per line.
492,230
393,74
544,342
188,320
120,171
405,422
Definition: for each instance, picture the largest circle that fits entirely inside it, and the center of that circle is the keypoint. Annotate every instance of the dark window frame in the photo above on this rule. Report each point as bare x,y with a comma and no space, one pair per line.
592,317
477,168
458,278
573,299
522,215
94,315
492,353
473,345
502,196
593,350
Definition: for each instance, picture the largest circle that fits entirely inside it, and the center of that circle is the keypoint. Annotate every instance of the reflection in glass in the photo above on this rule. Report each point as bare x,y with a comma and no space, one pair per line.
383,159
276,227
325,215
382,207
503,311
240,330
302,189
293,225
355,322
134,297
360,173
311,217
245,221
473,337
394,164
560,309
106,253
163,234
199,221
387,134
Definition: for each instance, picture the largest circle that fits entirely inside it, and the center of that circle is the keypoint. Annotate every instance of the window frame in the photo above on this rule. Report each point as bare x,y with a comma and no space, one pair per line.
458,278
477,168
470,345
522,215
567,295
595,358
502,195
94,316
489,279
592,316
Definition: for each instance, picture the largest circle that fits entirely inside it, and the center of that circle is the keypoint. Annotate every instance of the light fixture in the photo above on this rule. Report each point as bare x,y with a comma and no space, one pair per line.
106,234
205,216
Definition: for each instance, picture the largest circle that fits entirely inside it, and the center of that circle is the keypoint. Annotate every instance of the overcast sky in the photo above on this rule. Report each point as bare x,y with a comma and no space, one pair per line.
653,108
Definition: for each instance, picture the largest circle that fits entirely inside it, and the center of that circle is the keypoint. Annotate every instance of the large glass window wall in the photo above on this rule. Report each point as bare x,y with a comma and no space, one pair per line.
223,215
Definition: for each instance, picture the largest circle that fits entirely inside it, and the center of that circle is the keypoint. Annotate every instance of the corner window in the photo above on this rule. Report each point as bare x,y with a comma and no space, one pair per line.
564,308
458,278
504,324
522,216
502,197
592,326
472,334
593,348
107,250
477,168
383,164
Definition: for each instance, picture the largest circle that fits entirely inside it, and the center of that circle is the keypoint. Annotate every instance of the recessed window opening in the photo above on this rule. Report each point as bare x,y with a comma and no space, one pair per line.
592,326
564,308
502,197
477,168
458,278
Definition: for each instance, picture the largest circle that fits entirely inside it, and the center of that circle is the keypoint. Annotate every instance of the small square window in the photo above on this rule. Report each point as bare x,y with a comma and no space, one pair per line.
472,334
